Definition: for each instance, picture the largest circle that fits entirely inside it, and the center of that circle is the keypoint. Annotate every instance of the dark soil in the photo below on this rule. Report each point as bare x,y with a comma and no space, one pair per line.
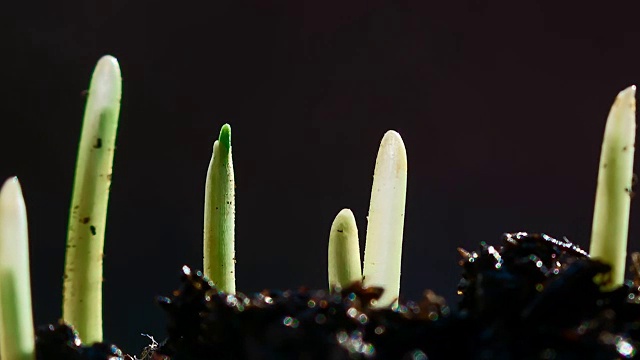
532,297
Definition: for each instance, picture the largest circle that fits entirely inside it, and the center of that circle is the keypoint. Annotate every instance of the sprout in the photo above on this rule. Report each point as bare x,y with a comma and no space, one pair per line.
613,195
383,250
16,320
344,251
219,216
82,293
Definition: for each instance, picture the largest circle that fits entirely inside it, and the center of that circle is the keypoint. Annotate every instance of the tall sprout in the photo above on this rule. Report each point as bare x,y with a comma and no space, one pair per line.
383,249
344,251
16,319
82,287
613,194
219,216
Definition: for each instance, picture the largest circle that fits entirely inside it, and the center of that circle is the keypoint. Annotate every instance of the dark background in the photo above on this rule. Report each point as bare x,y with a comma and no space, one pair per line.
501,105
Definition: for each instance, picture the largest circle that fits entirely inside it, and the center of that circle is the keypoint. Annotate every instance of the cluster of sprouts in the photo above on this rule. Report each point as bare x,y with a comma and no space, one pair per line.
82,291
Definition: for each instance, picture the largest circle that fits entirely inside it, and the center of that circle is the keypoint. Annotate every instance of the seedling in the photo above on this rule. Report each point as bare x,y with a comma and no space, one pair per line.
383,249
344,252
82,287
16,319
613,195
219,216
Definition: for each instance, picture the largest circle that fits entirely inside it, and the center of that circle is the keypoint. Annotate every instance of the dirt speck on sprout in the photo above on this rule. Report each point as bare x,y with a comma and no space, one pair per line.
630,192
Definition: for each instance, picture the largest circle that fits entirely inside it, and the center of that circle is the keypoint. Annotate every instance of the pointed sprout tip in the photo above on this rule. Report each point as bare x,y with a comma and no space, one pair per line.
225,136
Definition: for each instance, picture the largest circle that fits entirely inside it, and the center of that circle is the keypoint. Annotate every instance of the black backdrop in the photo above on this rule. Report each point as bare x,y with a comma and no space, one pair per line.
501,105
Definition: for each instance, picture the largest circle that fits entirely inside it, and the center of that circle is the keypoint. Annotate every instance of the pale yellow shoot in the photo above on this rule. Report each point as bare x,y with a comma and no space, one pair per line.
344,251
82,286
613,195
16,319
383,249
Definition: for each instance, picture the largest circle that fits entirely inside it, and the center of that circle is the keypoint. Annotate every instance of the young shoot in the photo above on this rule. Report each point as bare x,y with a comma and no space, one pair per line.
383,248
344,252
82,287
16,319
219,216
613,194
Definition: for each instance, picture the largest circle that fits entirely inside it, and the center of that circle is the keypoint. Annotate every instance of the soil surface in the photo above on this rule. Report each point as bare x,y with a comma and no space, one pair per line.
529,297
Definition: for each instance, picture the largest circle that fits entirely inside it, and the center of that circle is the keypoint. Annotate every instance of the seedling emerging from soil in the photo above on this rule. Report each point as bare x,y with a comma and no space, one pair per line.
219,216
16,319
383,249
82,288
82,303
613,195
344,251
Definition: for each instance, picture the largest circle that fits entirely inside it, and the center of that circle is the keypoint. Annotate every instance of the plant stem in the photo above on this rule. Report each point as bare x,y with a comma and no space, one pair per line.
344,252
613,195
383,249
16,319
219,216
82,290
